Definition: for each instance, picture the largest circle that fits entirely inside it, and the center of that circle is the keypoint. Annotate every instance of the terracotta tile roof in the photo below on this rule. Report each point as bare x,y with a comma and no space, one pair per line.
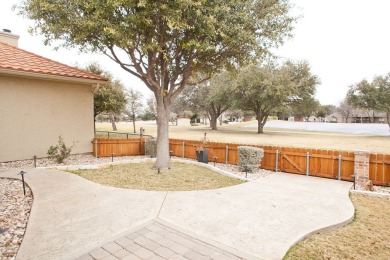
15,59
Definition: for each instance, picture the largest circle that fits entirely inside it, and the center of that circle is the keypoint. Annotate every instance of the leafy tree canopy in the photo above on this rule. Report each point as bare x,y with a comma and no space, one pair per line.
267,87
211,98
373,95
109,98
165,40
363,95
165,43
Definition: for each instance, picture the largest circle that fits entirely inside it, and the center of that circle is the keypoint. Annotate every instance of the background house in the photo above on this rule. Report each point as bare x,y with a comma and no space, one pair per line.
361,116
41,99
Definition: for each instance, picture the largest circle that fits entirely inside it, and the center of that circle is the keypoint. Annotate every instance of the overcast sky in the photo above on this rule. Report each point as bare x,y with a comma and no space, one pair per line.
344,41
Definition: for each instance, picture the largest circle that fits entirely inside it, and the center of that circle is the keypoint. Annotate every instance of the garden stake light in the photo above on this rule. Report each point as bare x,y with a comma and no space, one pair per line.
35,161
354,180
24,188
215,159
112,157
158,170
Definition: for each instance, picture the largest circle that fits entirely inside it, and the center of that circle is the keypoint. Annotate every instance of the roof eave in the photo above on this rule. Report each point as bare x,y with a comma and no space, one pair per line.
43,76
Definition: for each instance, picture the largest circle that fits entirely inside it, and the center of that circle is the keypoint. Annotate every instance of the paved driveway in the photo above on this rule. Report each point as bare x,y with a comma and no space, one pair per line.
262,219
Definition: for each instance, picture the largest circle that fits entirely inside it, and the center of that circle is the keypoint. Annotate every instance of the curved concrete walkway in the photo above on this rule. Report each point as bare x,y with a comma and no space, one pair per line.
73,217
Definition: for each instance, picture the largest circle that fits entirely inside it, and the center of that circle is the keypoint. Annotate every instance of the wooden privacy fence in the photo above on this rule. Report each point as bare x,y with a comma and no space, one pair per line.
313,162
118,147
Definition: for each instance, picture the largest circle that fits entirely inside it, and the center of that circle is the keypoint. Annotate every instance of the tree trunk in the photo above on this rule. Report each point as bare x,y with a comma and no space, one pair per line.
260,127
213,122
163,113
220,120
261,120
134,123
113,122
388,118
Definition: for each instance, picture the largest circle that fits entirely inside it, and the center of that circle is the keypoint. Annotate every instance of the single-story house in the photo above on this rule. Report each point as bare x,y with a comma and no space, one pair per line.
41,99
361,116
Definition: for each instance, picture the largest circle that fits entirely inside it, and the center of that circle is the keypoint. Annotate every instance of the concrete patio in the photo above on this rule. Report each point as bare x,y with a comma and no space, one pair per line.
74,218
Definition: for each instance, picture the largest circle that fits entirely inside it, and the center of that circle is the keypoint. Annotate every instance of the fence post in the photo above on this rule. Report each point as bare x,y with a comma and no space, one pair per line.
276,160
339,170
96,148
182,149
307,163
227,154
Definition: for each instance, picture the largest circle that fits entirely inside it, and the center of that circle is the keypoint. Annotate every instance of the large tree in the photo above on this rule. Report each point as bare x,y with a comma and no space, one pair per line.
382,85
164,42
345,109
325,110
262,89
211,98
109,98
364,95
134,105
306,106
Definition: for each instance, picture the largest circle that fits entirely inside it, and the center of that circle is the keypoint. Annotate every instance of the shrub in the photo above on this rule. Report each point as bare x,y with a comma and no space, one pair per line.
250,157
60,152
151,148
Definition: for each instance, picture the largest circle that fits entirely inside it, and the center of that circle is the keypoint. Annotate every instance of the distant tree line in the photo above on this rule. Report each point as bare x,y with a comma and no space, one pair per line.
371,96
258,89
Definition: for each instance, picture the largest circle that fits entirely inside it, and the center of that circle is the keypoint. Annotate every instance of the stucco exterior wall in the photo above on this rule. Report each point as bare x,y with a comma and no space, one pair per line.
33,113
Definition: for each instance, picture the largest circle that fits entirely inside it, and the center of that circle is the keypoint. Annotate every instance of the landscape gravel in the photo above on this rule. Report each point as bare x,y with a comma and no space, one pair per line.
79,159
14,212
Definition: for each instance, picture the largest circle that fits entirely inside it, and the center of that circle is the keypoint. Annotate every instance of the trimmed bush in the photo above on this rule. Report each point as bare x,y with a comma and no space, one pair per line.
151,148
250,157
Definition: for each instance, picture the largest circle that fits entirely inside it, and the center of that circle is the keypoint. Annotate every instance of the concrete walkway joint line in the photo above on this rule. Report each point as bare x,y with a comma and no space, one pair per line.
162,204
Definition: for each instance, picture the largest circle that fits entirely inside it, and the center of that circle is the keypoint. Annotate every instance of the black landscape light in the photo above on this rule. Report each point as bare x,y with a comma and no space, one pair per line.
354,180
215,160
35,161
112,157
246,170
24,188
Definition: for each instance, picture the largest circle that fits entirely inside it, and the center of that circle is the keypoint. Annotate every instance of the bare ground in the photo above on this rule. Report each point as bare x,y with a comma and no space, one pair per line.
238,133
